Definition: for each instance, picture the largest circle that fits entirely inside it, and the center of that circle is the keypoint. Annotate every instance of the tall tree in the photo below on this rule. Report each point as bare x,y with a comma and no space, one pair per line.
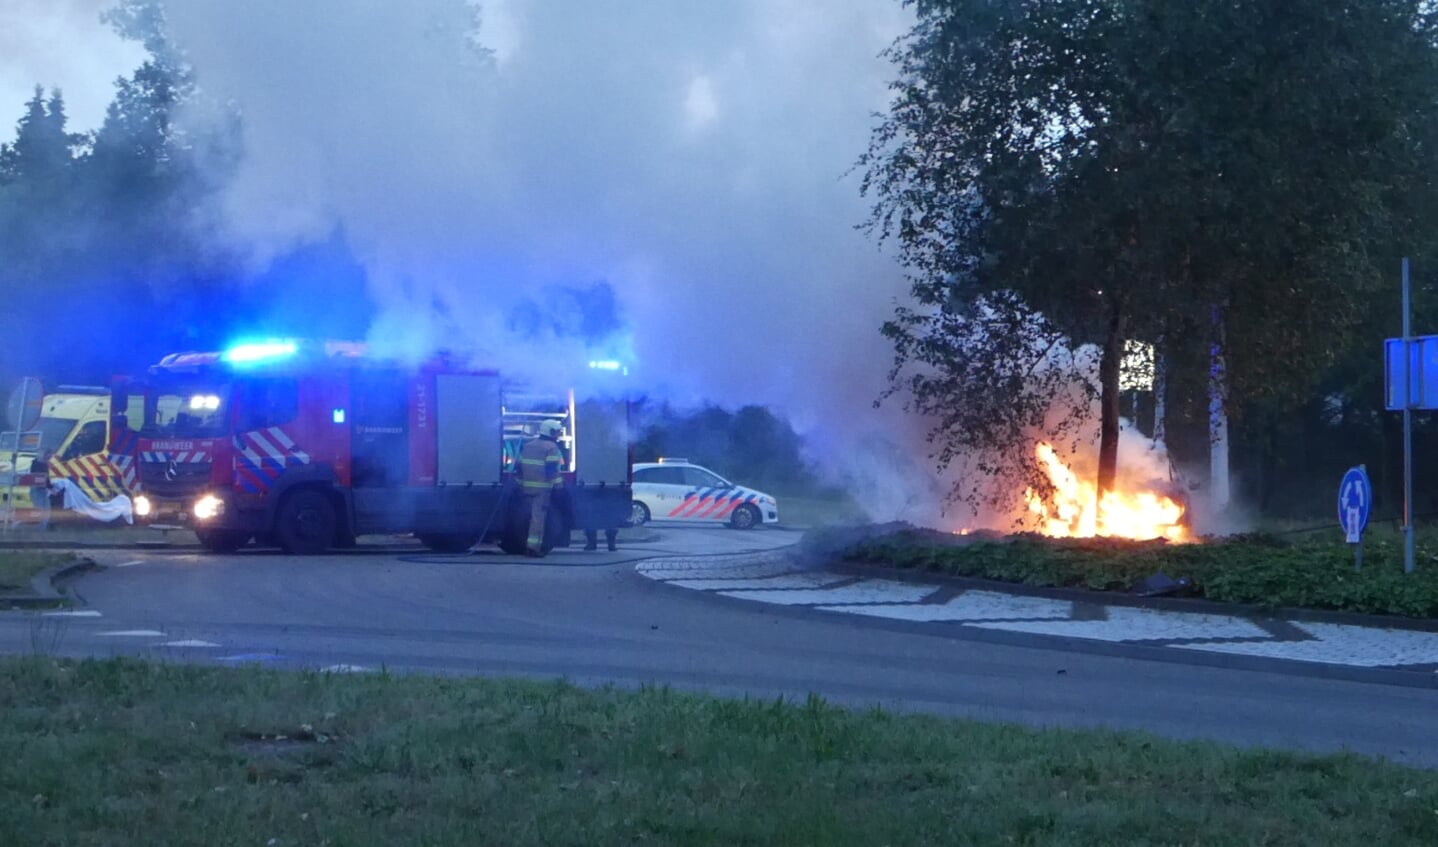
114,231
37,179
1100,170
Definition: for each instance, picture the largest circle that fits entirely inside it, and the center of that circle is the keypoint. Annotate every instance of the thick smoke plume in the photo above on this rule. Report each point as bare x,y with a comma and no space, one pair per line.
694,158
546,184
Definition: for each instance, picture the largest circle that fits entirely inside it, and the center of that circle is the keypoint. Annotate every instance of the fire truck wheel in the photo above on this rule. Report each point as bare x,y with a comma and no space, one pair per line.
745,517
513,543
556,531
448,542
305,524
222,540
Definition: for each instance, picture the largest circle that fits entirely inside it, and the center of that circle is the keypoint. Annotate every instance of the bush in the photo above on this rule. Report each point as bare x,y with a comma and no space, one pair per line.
1258,569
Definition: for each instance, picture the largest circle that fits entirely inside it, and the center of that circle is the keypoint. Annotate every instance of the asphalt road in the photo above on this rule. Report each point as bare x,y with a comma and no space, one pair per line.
590,618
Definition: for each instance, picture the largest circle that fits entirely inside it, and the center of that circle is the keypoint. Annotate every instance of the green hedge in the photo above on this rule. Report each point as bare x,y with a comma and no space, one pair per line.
1263,569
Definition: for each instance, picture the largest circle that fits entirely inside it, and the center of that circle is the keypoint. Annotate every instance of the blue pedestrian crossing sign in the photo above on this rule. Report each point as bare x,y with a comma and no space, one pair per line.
1355,503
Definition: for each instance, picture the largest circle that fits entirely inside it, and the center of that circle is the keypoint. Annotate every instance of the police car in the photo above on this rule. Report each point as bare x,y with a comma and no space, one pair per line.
675,490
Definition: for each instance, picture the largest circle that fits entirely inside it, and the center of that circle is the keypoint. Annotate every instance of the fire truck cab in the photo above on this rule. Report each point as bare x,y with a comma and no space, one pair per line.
307,445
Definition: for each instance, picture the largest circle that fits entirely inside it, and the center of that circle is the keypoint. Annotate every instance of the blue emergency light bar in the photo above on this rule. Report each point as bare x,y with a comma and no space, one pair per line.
257,352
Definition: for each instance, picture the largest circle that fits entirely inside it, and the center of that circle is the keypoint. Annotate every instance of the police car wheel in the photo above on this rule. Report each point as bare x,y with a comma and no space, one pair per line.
744,517
638,514
306,523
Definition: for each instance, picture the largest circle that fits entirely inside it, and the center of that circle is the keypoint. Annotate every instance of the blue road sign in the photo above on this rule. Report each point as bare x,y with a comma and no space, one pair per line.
1355,503
1422,373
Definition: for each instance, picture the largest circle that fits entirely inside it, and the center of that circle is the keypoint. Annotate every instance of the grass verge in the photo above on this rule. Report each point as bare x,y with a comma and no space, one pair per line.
1258,568
18,567
119,752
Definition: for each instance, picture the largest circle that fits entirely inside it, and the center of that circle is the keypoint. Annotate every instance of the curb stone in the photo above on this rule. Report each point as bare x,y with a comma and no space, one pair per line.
42,585
1165,604
1424,677
1195,604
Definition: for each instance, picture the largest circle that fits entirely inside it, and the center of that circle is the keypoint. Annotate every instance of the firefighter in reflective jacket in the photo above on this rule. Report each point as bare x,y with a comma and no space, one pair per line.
540,463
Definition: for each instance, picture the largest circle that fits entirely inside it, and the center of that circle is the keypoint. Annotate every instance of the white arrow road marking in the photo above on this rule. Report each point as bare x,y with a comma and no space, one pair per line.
969,606
190,642
84,613
134,633
1125,624
868,591
1341,644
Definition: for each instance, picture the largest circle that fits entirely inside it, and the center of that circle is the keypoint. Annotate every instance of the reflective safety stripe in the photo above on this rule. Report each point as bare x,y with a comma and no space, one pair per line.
540,462
261,456
710,503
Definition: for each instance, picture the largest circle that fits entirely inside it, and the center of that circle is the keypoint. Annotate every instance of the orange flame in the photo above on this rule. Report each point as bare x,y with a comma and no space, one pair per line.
1077,511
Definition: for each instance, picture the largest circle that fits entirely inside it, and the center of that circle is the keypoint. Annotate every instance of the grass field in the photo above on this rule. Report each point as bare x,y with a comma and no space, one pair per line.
18,567
118,752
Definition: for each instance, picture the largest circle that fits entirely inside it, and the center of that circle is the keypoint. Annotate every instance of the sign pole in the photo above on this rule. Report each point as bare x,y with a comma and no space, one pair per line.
15,453
1407,429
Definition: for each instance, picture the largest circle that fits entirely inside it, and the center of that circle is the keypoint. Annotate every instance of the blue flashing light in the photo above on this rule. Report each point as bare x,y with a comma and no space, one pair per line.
339,416
605,365
242,353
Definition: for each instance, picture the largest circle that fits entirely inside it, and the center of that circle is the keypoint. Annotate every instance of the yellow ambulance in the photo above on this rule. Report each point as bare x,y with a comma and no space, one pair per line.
74,427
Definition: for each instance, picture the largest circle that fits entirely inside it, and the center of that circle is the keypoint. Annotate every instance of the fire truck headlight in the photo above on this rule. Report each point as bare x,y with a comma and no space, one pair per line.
143,506
208,507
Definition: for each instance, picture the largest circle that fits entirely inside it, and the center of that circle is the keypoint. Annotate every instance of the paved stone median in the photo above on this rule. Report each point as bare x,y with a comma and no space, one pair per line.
774,577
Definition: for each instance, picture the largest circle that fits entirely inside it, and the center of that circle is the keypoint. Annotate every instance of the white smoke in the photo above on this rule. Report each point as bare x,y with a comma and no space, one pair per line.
696,157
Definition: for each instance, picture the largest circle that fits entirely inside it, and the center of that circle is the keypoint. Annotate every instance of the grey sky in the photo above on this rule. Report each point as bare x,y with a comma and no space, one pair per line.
60,44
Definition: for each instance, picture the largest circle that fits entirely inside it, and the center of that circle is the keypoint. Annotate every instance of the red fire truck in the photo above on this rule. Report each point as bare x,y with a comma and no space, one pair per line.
306,445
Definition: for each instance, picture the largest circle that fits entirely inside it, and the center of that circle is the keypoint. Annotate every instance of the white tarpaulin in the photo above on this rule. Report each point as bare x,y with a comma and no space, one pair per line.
77,500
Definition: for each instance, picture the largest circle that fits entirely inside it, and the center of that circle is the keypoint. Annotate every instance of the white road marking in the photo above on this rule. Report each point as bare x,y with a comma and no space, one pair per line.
191,642
345,669
774,580
1341,644
134,633
1126,624
868,591
785,581
669,570
969,606
85,613
129,564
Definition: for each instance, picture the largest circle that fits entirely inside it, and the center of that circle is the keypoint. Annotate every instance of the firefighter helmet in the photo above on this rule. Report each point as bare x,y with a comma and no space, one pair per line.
550,429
